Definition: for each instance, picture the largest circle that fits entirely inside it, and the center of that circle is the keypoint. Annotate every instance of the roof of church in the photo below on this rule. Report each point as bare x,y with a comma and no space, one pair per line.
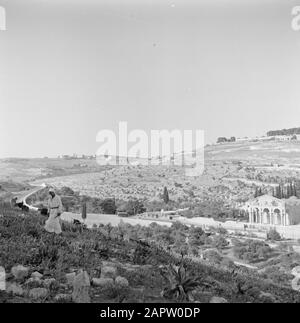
267,197
267,200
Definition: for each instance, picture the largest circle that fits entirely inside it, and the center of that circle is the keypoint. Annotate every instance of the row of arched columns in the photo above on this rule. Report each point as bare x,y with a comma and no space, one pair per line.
271,216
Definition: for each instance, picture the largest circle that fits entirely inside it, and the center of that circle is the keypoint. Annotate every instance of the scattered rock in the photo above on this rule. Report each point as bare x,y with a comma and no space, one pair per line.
36,275
216,299
70,278
130,267
15,289
38,293
81,288
108,272
20,272
8,276
121,282
110,263
49,282
63,298
33,282
267,297
64,286
102,282
138,294
72,270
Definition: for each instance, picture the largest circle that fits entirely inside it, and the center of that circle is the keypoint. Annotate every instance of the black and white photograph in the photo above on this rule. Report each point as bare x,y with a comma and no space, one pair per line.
149,154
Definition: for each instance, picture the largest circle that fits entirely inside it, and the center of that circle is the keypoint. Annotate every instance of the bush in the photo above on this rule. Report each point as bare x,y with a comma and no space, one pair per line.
277,275
108,206
221,230
197,237
133,207
219,242
213,256
252,250
273,235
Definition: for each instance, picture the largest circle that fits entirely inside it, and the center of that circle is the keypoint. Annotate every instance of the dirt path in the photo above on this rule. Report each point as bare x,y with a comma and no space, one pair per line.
23,196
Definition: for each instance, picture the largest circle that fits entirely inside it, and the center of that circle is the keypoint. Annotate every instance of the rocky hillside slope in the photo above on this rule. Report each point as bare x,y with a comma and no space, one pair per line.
100,265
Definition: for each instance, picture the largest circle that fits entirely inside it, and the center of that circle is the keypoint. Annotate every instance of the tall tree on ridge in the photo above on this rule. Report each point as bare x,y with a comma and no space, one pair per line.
166,195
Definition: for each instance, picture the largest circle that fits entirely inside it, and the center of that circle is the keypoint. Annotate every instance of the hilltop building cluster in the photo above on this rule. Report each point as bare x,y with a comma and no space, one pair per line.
75,156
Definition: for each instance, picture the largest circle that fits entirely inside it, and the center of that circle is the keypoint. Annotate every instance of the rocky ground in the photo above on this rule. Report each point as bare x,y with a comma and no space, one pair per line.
97,265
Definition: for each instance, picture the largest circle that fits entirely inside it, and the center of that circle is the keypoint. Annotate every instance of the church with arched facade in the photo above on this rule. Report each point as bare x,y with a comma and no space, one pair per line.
269,210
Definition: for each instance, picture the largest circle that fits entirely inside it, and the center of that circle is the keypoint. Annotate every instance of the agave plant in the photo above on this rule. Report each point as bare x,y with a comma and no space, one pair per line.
181,284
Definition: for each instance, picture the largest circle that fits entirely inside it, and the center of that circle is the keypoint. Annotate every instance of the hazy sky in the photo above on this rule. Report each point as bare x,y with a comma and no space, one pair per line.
69,68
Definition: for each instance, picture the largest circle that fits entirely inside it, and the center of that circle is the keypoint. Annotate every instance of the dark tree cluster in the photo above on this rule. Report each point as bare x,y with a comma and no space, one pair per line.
258,192
285,191
284,132
224,139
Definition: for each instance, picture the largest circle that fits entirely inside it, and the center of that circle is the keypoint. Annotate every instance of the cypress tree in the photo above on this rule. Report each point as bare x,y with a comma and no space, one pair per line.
166,195
83,213
289,192
281,192
294,190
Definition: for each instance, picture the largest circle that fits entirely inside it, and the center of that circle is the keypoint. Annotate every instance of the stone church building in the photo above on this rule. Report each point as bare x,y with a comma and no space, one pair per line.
269,210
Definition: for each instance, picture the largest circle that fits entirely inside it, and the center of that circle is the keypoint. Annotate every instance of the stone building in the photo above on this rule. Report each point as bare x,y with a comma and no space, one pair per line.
269,210
163,215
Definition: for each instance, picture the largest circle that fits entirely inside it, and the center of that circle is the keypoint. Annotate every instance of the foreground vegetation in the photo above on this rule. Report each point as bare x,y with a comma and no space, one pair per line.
153,272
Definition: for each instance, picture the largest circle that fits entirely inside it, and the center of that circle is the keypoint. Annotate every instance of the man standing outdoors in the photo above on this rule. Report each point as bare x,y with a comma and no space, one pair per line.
55,210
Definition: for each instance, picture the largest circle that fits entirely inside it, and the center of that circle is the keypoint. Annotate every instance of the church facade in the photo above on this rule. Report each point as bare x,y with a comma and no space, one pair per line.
269,210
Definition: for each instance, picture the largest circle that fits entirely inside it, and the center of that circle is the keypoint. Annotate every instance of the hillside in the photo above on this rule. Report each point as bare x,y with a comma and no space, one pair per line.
28,169
8,188
256,151
232,173
106,252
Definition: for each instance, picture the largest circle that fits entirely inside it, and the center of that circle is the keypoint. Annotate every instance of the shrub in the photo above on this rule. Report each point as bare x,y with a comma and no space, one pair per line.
134,207
197,237
219,242
252,250
273,235
181,283
213,256
108,206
